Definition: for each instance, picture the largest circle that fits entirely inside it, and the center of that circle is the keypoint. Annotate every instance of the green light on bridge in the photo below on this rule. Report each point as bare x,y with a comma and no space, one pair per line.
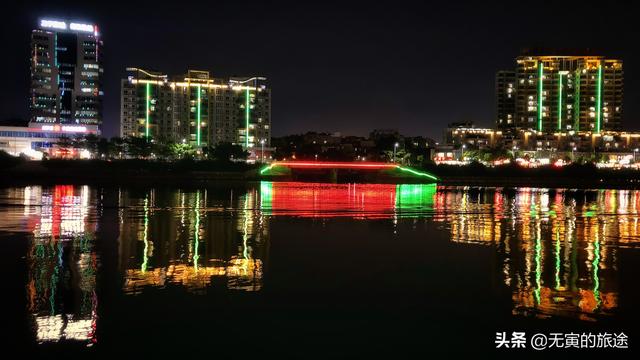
266,168
418,173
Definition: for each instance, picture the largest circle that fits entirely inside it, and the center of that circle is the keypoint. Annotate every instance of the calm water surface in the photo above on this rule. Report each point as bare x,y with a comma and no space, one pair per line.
312,269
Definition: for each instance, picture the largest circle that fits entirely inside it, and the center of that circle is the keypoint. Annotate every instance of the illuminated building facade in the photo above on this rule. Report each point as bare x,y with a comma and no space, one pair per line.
604,142
196,108
471,137
66,74
505,98
564,93
35,139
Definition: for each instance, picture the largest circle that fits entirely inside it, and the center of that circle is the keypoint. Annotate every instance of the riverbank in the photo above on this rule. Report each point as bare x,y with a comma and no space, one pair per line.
571,176
141,172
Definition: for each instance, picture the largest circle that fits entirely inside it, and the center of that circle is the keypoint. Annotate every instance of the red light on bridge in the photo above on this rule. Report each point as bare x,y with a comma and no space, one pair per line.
333,165
344,165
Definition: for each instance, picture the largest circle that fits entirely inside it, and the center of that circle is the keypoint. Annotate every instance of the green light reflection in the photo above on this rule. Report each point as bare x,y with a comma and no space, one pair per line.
145,234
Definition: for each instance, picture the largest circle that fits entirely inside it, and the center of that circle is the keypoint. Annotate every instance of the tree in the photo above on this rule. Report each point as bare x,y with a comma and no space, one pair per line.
401,156
105,148
118,146
90,143
139,147
163,150
182,151
226,152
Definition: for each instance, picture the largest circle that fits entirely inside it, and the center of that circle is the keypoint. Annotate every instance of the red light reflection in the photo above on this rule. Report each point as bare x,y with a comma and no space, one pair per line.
324,200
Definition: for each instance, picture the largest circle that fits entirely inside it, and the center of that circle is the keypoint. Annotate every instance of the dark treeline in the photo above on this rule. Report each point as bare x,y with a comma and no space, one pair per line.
143,148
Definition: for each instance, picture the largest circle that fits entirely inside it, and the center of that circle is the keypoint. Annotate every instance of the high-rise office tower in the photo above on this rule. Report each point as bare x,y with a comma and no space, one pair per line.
505,98
196,108
567,93
66,73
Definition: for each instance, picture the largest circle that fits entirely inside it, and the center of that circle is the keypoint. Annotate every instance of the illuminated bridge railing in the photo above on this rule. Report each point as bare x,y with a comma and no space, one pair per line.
345,165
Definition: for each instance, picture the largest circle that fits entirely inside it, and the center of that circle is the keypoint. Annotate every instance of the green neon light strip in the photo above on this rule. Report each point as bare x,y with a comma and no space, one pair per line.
418,173
559,101
540,72
266,168
146,131
198,117
246,116
576,104
599,100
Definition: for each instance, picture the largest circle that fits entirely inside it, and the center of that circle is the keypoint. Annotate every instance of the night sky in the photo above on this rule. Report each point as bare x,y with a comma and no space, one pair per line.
332,66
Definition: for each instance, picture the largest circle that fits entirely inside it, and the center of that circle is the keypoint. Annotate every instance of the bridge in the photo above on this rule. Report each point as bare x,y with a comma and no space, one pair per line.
337,165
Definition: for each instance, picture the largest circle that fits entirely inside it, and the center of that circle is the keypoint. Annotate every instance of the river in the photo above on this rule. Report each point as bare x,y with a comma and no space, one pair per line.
305,270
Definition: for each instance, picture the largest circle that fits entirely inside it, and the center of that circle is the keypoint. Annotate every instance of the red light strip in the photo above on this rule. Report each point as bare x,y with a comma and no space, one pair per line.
321,164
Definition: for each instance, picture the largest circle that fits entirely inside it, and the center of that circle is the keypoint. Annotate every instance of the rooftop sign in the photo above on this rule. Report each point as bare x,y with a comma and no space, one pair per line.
62,25
53,24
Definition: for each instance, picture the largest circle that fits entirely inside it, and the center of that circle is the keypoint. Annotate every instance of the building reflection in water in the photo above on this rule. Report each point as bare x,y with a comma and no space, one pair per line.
187,239
61,287
558,248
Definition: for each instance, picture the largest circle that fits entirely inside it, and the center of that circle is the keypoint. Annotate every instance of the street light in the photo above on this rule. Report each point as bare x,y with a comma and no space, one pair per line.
394,151
573,158
262,151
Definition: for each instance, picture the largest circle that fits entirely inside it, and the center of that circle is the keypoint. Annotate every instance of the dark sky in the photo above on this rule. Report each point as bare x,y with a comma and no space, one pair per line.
335,66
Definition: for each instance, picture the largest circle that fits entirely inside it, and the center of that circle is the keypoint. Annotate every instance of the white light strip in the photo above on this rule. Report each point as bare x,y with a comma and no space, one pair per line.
64,128
184,84
53,24
81,27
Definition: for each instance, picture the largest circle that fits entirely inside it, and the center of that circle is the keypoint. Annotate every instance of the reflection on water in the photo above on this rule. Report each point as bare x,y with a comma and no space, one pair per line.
62,262
359,201
189,240
557,249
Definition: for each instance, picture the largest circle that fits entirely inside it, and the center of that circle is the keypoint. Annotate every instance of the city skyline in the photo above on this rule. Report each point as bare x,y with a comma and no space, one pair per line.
356,75
242,179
